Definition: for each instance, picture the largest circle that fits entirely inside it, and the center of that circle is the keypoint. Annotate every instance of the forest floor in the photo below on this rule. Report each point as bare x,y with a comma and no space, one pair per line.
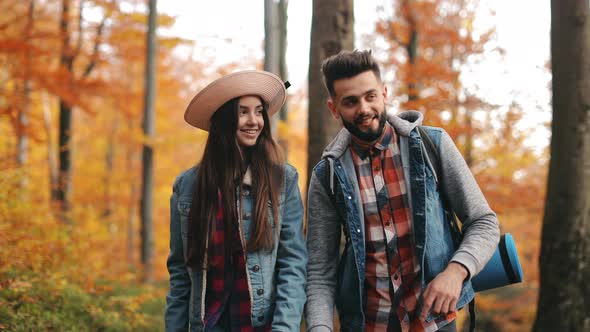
33,302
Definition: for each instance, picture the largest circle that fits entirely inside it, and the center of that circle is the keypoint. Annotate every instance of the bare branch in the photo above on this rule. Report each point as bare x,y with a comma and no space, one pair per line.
95,50
80,32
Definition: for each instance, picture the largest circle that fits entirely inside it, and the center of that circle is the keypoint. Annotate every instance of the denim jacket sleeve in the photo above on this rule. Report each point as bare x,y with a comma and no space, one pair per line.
291,260
177,299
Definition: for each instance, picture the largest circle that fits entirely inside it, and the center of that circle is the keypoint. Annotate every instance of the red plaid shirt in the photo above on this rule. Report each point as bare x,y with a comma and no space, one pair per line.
228,291
392,270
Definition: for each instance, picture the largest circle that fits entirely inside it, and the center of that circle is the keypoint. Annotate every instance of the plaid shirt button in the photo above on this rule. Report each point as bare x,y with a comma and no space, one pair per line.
255,268
260,291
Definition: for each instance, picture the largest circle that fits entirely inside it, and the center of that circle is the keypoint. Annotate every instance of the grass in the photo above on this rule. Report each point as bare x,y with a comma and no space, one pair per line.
32,302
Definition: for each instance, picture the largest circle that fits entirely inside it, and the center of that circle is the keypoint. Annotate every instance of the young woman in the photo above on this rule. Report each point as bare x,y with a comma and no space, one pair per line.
237,255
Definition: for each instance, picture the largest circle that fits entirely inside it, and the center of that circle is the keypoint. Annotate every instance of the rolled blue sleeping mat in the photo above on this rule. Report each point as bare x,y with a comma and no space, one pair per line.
503,268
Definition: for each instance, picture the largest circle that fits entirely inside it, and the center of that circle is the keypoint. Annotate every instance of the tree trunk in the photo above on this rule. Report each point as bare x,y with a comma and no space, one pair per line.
132,210
52,164
271,48
67,57
331,32
468,151
64,178
23,115
564,299
411,50
147,184
109,165
283,114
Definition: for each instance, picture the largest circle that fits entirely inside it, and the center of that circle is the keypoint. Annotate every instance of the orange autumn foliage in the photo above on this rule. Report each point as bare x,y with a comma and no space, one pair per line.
102,243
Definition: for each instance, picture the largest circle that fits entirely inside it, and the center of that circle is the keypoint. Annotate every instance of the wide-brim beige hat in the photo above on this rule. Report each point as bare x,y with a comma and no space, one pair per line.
260,83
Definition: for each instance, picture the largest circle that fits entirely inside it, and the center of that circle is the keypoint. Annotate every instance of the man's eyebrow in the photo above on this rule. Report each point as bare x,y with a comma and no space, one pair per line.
352,97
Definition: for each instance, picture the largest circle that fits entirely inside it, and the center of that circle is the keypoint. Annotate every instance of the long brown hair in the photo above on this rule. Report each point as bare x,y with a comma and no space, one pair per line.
222,169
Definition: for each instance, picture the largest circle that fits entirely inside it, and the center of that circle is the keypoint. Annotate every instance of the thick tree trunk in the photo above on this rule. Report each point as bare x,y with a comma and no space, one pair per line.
331,32
564,299
147,184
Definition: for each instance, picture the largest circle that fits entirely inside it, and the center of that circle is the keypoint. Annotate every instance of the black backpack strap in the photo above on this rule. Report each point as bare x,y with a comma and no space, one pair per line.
329,181
472,315
432,152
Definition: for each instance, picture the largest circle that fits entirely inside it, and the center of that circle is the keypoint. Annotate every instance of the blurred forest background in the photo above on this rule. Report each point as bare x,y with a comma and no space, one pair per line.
92,94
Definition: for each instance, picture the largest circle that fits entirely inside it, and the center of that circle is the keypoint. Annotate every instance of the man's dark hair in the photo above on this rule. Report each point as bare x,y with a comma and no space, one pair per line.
347,64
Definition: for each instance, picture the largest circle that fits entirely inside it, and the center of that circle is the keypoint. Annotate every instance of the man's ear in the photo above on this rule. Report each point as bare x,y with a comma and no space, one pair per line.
384,92
332,109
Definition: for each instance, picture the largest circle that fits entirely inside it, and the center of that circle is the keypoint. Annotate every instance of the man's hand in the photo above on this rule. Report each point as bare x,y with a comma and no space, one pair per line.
442,293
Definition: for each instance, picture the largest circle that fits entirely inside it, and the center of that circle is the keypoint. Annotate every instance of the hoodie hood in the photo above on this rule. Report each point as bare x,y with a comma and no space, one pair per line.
403,123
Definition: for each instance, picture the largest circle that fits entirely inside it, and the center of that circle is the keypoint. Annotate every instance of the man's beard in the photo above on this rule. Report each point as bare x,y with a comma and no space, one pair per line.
369,136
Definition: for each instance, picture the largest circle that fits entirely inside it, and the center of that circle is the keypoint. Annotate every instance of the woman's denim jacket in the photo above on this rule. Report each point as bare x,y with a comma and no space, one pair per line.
276,278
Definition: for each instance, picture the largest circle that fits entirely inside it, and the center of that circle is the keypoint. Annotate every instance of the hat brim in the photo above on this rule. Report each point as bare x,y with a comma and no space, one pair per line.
266,85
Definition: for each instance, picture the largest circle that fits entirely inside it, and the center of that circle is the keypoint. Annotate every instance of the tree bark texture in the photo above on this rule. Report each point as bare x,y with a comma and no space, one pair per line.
147,183
331,32
564,299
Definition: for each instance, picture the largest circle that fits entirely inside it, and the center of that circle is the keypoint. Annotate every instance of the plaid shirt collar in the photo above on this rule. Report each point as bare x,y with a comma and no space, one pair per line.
362,148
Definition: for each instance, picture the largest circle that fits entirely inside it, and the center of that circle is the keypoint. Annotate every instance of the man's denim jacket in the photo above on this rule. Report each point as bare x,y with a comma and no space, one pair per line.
335,279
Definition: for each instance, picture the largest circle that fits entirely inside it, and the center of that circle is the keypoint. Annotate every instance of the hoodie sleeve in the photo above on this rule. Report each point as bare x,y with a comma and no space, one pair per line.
323,238
481,232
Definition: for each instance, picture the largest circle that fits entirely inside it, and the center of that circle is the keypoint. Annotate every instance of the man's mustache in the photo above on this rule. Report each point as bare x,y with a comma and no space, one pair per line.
361,118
